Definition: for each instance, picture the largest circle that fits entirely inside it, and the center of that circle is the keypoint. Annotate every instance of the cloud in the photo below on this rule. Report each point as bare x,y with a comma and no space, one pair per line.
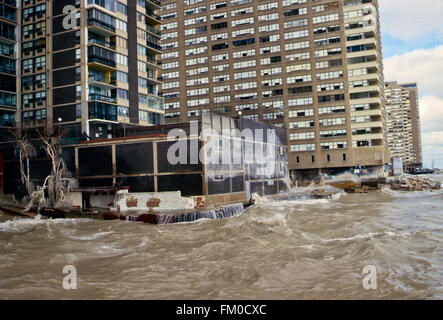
425,67
422,65
410,20
433,148
431,113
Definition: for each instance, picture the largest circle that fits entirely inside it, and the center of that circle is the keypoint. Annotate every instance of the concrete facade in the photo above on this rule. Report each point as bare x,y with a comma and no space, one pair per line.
86,80
403,118
312,66
160,201
9,62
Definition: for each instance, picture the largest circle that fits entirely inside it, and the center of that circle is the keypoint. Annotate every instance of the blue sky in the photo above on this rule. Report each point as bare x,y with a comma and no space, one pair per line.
412,36
394,46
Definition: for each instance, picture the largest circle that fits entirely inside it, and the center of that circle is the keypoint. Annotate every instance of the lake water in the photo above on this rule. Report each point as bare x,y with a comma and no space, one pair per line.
314,249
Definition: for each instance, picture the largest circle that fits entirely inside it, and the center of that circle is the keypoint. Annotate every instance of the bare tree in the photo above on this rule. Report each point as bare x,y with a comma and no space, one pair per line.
26,151
58,184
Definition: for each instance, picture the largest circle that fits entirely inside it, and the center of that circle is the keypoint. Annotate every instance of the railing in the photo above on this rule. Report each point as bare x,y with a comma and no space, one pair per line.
100,97
10,2
8,35
153,15
153,45
7,52
153,61
154,30
10,16
98,110
156,2
156,103
7,123
101,80
102,43
99,59
7,70
101,24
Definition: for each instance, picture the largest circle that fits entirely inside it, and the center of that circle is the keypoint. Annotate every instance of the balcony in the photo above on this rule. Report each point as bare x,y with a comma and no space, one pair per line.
7,37
103,83
153,30
152,18
93,59
370,112
102,111
101,57
370,124
372,88
105,44
371,42
100,97
8,70
153,5
369,12
152,80
156,47
8,100
7,123
368,28
363,53
101,27
154,62
7,51
9,13
369,136
156,103
10,2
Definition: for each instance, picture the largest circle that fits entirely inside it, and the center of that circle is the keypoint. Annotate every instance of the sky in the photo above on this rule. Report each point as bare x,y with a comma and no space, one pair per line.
412,37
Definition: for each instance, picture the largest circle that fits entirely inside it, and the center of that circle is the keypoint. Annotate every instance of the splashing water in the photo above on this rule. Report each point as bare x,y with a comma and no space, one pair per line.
292,249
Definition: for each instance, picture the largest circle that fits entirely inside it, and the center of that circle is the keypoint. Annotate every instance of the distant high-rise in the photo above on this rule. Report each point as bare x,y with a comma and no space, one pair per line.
313,66
403,118
87,77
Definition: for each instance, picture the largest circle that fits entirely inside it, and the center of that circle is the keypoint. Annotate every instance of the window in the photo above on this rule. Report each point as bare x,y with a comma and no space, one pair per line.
123,94
121,8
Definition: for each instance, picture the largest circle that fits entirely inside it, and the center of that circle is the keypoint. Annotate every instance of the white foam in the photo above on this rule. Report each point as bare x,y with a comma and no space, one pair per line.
308,247
93,236
338,195
369,235
275,220
20,225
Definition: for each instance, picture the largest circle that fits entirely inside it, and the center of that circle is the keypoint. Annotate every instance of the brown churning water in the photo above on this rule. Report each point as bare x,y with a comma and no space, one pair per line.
314,249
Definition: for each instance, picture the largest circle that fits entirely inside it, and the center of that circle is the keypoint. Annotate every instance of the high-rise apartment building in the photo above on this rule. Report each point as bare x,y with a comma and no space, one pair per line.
403,118
85,75
313,66
8,63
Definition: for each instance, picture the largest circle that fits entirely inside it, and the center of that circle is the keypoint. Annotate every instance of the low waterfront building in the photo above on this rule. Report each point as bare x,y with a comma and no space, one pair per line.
214,161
